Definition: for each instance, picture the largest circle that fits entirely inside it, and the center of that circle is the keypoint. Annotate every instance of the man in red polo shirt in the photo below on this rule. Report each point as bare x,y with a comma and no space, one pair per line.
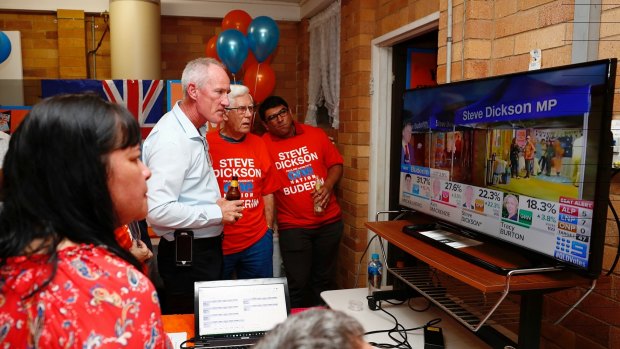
303,156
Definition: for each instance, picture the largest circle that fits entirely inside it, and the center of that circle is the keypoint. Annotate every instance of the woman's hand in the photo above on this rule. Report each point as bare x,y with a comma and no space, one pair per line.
140,251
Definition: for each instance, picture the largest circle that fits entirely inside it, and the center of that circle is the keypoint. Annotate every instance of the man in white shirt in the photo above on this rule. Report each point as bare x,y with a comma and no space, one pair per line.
183,194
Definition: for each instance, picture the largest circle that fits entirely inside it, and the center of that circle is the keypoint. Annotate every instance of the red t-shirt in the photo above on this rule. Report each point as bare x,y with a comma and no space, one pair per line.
301,160
250,161
95,300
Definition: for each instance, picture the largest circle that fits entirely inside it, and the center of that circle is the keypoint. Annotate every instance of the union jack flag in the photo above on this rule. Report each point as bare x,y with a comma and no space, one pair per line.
143,98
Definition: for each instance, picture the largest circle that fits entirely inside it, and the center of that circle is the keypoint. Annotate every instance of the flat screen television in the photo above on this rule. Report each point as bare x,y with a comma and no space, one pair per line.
523,160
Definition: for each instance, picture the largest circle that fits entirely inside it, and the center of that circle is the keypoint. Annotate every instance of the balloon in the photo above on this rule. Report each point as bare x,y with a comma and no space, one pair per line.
251,60
261,80
5,47
263,36
237,19
232,48
211,49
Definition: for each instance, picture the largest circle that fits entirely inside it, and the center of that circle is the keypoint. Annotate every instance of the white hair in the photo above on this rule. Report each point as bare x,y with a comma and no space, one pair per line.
238,91
196,71
314,329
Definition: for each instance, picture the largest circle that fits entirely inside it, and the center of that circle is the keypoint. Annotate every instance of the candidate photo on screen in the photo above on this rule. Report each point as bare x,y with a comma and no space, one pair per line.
510,208
408,183
468,197
407,151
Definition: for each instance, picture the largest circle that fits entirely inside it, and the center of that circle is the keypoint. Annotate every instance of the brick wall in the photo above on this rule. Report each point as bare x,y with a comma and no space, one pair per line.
39,39
357,30
71,44
56,45
184,39
609,46
362,21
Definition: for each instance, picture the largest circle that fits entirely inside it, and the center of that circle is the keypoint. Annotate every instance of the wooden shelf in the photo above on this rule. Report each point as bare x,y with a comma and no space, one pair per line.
476,296
482,279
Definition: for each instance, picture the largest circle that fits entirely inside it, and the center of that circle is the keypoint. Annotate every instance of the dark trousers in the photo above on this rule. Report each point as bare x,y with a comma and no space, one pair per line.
514,167
529,167
309,257
207,263
542,163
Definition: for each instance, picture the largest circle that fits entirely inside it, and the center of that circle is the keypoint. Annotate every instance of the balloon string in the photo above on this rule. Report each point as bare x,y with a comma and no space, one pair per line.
254,94
256,78
234,79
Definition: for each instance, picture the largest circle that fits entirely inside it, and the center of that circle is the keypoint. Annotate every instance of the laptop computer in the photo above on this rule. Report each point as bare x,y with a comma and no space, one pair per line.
237,313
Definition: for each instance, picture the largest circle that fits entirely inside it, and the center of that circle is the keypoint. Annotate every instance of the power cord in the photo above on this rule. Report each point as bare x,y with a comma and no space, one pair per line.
105,16
613,211
428,306
398,333
401,213
191,340
359,263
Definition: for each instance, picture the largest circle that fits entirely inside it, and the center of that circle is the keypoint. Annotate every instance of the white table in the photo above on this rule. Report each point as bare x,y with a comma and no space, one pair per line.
455,335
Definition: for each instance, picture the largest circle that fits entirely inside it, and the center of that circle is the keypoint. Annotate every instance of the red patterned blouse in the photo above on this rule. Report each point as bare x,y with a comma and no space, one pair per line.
96,300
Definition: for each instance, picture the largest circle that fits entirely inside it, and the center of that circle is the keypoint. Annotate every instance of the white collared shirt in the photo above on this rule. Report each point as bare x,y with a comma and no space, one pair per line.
183,189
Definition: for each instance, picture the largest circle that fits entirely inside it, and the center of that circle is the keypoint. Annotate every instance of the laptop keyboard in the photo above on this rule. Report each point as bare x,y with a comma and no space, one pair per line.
257,334
244,340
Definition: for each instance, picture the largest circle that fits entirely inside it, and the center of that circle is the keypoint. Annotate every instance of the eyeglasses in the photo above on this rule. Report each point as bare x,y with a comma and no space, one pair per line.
275,116
242,109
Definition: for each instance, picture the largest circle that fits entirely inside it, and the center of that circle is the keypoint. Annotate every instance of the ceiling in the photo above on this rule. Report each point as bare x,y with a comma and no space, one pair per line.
287,10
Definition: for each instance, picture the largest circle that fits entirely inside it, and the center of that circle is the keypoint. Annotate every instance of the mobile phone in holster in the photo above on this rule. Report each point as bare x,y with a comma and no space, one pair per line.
183,241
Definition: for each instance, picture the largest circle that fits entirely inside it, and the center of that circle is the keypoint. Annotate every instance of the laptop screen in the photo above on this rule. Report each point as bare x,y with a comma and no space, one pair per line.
226,307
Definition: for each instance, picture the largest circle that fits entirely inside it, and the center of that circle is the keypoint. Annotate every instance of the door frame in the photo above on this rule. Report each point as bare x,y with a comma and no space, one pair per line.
380,114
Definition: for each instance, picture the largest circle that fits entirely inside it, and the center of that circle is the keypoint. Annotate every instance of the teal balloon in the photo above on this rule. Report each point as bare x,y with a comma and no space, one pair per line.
5,47
232,48
263,36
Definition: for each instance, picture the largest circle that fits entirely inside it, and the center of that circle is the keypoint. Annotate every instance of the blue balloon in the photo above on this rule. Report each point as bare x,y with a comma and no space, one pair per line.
5,47
263,36
232,48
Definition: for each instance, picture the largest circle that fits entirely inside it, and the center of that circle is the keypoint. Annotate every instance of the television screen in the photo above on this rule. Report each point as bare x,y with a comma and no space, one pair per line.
523,159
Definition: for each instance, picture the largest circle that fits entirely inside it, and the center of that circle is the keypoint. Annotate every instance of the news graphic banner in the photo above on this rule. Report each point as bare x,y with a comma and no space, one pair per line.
143,98
559,228
540,100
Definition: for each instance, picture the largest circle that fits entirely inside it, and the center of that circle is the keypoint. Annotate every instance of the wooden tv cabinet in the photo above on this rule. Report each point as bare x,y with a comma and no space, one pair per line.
474,295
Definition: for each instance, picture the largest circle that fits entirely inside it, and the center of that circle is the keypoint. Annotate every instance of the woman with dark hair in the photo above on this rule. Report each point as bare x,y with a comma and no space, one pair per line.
71,176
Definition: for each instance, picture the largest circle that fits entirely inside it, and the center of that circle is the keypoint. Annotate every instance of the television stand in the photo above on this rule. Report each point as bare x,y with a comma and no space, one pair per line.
490,256
475,296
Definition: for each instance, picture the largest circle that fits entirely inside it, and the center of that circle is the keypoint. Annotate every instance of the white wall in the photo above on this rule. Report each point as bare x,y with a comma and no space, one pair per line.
11,73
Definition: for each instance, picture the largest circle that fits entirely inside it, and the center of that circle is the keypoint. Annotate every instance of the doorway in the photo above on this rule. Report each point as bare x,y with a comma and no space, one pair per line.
383,97
407,57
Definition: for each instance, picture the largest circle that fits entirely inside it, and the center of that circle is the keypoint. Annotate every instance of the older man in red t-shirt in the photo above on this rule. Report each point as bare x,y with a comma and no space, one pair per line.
248,243
303,156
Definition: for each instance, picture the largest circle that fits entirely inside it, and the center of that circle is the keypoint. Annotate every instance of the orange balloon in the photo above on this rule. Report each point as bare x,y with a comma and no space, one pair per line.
261,80
211,49
251,60
237,19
